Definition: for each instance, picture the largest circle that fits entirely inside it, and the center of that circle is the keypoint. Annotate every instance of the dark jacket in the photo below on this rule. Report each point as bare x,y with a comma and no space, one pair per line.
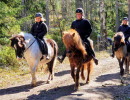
39,29
83,27
125,29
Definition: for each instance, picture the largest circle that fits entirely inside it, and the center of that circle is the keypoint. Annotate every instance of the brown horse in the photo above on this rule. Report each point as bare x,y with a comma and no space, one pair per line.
76,53
121,54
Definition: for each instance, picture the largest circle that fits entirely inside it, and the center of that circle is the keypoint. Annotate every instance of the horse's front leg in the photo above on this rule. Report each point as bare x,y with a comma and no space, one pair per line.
121,62
73,72
77,78
33,69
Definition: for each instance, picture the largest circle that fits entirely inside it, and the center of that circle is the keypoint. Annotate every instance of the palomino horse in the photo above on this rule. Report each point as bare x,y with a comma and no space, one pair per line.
120,49
25,44
76,53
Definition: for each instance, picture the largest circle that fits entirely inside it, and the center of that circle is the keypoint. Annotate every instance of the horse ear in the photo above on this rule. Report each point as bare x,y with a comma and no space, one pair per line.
13,36
63,33
73,34
123,40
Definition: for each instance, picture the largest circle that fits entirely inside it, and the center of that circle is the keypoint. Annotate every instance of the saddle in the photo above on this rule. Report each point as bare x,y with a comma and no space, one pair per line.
43,46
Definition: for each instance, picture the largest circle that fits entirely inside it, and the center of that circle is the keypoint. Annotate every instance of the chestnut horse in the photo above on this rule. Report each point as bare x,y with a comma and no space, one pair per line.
26,45
76,53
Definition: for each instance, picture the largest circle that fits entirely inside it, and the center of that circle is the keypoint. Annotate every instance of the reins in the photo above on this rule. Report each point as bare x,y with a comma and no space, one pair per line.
30,45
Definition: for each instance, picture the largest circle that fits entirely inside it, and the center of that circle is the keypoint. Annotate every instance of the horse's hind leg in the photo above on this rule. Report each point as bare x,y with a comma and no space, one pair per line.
51,65
82,73
89,71
127,66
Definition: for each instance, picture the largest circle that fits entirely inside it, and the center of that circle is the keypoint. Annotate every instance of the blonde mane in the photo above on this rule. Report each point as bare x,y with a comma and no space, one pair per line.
122,35
72,39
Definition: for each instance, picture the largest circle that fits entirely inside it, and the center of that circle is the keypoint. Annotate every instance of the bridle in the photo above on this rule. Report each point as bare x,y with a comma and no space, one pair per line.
29,46
22,54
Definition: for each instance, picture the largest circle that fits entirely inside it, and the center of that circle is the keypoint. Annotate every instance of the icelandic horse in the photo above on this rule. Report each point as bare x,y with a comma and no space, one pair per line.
76,53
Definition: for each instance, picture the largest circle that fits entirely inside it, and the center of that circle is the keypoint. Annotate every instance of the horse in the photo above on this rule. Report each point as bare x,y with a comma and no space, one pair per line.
25,45
76,53
121,53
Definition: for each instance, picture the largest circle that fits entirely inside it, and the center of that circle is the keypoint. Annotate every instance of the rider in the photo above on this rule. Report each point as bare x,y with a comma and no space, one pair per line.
83,27
39,30
124,27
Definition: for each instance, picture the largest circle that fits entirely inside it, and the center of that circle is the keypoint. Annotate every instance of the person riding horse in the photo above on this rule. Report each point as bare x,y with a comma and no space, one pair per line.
39,30
83,27
125,28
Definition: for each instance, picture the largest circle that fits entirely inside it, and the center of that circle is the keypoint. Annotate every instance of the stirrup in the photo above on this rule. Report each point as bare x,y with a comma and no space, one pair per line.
47,57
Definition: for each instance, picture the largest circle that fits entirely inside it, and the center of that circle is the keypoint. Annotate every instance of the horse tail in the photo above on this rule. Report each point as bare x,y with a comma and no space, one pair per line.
55,47
52,63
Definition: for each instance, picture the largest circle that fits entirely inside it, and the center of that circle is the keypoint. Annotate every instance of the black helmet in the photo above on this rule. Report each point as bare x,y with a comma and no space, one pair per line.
125,18
79,10
39,15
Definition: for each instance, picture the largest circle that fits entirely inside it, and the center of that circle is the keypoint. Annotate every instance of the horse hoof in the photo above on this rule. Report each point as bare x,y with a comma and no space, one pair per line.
122,72
76,88
83,78
33,85
87,82
48,82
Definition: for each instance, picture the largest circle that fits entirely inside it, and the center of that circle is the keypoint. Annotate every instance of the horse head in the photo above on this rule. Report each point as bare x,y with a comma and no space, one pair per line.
119,40
73,42
18,43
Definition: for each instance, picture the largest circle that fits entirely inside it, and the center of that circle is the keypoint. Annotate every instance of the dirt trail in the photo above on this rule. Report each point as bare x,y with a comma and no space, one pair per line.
105,85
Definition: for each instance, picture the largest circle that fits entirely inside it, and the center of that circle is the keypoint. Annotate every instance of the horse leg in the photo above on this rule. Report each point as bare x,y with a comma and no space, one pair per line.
127,65
82,73
51,65
73,72
121,66
89,71
33,71
77,78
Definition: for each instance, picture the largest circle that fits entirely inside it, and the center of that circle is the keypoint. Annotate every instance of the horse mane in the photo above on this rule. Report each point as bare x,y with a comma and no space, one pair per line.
26,35
120,34
72,40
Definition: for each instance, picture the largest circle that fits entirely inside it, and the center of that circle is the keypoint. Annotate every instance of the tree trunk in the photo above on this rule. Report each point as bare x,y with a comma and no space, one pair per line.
79,3
87,9
90,5
64,8
129,11
47,14
103,30
117,15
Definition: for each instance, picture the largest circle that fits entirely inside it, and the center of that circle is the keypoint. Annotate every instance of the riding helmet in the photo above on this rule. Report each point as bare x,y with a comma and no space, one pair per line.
39,15
125,18
79,10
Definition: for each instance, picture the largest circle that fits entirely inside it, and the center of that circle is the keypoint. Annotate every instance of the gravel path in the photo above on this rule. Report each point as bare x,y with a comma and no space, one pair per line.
105,85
